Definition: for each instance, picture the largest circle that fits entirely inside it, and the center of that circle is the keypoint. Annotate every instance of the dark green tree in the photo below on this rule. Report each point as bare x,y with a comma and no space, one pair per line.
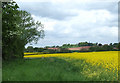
99,44
36,49
110,44
30,49
64,50
115,44
19,28
118,46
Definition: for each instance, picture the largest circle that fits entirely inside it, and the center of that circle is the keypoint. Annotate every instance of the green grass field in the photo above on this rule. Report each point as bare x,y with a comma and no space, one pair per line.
54,69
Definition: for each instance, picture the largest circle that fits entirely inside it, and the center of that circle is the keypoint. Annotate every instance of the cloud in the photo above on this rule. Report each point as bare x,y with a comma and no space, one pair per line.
65,1
47,9
72,23
60,10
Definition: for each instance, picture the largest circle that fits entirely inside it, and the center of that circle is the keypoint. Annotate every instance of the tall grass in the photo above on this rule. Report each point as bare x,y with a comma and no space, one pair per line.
55,69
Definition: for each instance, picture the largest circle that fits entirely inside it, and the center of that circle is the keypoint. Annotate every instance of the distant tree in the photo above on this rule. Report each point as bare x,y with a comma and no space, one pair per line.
83,44
90,44
41,49
47,46
118,46
64,50
101,48
51,51
36,49
46,52
99,44
93,48
110,44
68,45
64,45
53,46
57,46
107,48
83,50
96,43
30,49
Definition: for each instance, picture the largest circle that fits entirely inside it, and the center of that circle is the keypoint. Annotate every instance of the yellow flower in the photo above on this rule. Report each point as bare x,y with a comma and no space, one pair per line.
108,59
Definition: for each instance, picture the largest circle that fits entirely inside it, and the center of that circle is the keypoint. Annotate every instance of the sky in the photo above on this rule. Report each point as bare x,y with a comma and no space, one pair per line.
74,21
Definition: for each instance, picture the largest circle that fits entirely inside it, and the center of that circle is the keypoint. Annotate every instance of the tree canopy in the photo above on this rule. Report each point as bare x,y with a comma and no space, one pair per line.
18,29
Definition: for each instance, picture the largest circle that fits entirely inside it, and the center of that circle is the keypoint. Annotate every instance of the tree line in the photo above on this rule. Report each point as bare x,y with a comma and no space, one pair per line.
80,44
64,48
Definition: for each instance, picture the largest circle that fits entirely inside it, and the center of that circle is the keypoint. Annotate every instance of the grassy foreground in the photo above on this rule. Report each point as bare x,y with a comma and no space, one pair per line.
56,69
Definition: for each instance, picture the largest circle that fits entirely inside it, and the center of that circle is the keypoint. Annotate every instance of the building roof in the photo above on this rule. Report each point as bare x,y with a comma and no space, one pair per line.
79,48
76,48
53,48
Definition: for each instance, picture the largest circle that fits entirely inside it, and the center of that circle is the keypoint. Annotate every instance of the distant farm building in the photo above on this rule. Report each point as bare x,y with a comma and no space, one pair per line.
53,48
115,48
73,49
79,48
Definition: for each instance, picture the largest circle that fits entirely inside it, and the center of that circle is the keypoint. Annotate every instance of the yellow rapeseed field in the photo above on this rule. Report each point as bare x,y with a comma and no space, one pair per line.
108,59
29,53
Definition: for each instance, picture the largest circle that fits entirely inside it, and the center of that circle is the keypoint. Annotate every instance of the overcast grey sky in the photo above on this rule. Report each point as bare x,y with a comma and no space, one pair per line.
74,21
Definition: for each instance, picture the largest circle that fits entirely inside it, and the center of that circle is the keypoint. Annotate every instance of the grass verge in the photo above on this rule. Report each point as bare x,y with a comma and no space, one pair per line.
54,69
